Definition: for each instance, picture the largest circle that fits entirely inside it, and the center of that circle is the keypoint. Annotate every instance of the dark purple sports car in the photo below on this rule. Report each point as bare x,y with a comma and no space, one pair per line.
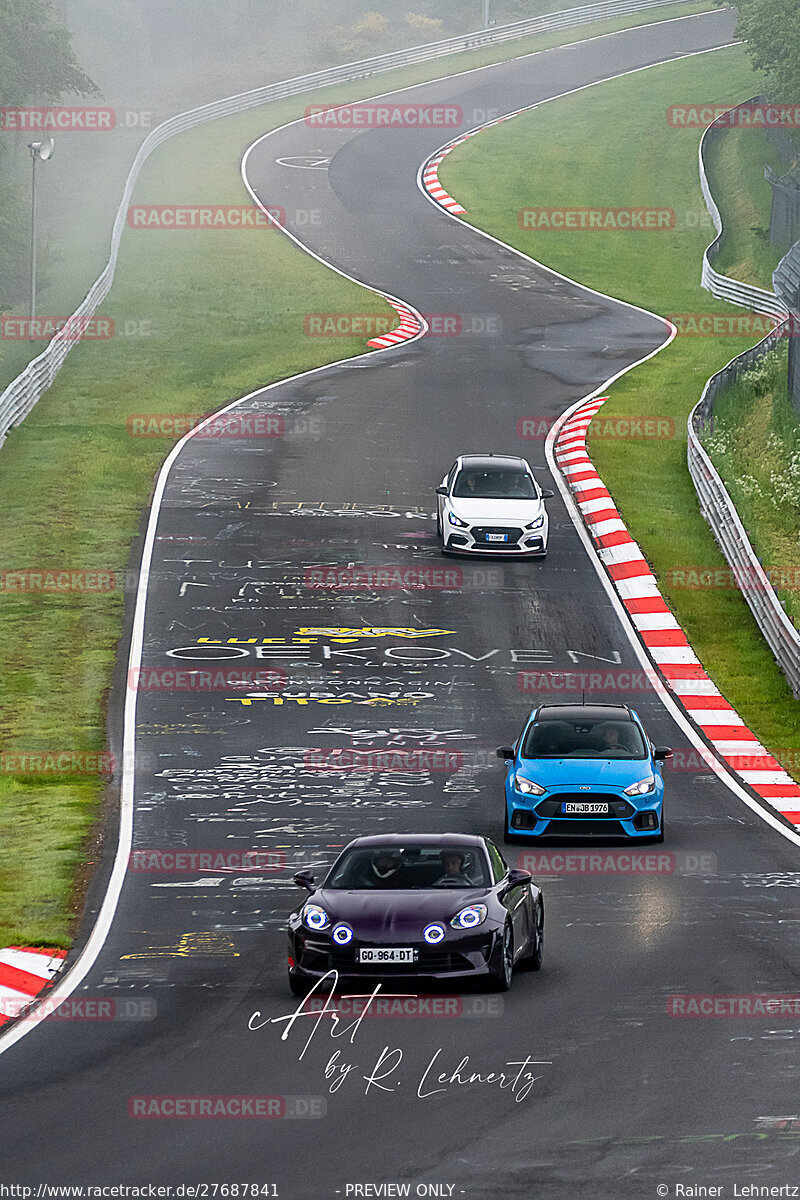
428,906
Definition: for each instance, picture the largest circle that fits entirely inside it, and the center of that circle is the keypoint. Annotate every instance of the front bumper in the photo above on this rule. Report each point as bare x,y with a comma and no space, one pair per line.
521,543
630,817
457,957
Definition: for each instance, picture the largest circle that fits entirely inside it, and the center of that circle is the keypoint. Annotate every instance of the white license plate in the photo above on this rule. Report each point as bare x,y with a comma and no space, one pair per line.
497,537
585,808
387,954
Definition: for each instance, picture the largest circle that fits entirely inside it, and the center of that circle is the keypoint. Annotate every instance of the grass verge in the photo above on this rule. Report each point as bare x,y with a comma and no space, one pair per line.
629,156
755,445
735,163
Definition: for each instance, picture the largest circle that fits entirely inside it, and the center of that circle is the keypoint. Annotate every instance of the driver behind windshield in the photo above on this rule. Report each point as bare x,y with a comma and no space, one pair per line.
453,862
385,870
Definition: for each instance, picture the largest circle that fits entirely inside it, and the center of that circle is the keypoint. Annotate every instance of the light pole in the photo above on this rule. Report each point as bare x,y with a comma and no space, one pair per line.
486,15
43,151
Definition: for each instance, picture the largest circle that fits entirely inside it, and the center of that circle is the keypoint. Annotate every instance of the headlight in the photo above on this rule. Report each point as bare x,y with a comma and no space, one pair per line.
454,520
469,917
433,934
528,787
648,784
537,524
315,917
342,934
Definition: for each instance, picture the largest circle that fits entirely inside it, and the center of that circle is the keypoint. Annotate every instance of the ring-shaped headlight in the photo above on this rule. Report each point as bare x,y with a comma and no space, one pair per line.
469,917
315,917
342,934
433,934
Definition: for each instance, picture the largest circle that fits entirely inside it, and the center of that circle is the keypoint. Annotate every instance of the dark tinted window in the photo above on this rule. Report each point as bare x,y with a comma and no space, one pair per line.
374,867
584,739
494,483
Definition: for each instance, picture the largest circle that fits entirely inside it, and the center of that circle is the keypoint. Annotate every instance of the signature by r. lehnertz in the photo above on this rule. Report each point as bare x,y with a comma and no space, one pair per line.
516,1076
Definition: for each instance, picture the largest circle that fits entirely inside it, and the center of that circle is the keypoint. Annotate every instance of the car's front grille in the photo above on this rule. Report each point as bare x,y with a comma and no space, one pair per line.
551,807
573,827
481,535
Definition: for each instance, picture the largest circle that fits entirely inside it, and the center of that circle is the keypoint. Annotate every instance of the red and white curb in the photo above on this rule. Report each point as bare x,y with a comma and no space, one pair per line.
664,639
24,971
430,179
429,175
409,327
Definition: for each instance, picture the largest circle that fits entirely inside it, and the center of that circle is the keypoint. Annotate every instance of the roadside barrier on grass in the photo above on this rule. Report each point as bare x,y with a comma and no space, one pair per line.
19,398
716,504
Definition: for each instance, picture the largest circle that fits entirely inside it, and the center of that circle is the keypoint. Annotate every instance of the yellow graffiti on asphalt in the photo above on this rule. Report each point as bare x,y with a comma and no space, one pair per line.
311,634
374,701
213,945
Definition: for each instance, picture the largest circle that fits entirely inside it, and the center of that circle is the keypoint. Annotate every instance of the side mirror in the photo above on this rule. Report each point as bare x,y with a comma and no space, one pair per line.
505,752
547,493
305,879
662,752
441,490
513,880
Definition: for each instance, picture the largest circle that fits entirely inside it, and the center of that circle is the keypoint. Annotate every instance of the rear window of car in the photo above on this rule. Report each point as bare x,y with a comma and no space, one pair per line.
584,739
494,483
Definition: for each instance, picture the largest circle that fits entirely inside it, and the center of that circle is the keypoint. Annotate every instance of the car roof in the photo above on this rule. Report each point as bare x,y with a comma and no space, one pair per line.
420,839
485,462
585,712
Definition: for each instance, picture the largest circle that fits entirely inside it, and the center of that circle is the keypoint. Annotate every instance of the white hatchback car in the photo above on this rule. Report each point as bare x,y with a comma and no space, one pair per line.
492,504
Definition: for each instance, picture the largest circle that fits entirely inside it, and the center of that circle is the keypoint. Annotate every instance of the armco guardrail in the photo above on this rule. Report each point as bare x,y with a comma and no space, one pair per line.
786,281
722,286
23,392
715,502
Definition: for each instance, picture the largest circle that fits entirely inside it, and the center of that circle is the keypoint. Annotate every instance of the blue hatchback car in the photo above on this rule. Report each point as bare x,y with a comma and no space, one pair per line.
584,771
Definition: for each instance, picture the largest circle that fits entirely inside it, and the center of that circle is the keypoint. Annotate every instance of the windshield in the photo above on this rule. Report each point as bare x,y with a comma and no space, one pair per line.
410,867
494,483
584,739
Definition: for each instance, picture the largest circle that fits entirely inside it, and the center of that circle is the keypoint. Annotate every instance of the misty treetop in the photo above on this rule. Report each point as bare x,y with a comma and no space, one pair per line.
771,29
37,63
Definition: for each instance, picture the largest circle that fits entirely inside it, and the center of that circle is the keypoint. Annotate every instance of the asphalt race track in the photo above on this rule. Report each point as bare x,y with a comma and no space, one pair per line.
626,1097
